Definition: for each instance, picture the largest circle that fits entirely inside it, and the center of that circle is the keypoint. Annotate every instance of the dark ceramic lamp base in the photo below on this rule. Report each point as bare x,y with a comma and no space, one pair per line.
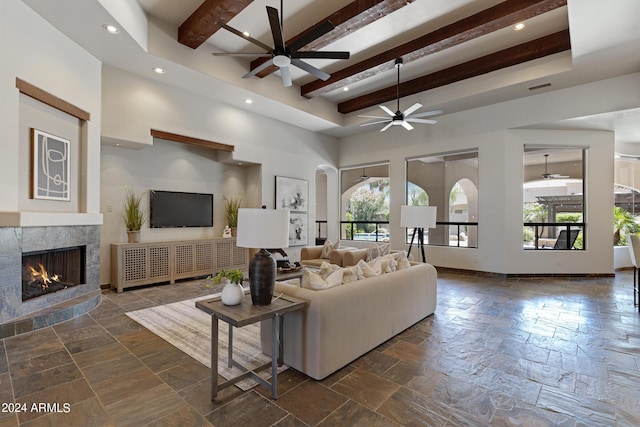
262,277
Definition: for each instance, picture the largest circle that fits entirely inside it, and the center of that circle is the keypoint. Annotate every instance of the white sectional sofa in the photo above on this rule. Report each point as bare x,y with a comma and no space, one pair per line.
342,323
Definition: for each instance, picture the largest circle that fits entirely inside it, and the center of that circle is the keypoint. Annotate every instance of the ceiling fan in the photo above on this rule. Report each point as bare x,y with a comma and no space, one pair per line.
547,175
402,119
282,55
363,176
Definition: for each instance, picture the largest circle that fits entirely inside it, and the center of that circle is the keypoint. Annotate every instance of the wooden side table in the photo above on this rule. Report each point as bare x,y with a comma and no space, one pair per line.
241,315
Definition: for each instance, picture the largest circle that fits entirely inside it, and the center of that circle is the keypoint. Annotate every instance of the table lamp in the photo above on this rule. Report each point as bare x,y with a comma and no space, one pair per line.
262,228
418,217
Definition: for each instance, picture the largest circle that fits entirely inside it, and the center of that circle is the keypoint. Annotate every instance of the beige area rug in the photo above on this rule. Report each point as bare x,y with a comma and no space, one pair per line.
189,329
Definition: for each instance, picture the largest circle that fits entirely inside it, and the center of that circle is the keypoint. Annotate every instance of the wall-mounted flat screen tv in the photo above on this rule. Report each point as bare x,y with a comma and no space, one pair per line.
179,209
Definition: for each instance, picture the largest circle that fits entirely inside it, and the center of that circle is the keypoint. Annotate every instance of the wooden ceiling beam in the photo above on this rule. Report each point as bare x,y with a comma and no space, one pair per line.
500,16
539,48
352,17
201,25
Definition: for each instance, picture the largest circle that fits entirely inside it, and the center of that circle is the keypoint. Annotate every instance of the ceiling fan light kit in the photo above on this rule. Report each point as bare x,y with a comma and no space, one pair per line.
399,118
282,56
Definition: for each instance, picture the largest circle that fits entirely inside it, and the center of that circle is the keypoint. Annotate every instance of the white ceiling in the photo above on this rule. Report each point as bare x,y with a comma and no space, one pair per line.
604,39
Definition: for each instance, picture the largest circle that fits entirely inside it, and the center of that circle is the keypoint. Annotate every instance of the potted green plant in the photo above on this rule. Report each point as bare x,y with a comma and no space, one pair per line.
132,214
233,292
231,206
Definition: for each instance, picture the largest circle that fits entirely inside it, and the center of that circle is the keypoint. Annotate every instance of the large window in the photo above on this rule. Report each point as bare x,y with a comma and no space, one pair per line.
626,210
365,203
448,181
553,195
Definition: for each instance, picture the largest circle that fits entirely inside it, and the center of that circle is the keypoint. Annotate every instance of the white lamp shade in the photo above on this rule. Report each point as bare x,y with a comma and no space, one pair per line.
418,216
263,228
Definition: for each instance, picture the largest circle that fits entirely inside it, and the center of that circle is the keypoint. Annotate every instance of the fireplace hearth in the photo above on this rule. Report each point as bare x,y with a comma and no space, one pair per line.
53,270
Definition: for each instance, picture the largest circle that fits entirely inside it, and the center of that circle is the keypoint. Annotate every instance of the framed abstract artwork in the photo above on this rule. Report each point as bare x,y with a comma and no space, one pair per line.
292,194
298,229
51,167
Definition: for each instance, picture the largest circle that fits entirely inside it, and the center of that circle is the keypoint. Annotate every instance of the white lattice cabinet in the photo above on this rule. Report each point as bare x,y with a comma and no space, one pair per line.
136,264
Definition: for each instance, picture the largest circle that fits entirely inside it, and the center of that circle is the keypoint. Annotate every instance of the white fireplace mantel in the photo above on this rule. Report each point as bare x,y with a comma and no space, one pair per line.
46,219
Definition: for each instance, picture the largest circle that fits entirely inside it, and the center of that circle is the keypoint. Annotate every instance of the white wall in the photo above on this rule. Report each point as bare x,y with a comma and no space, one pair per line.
35,52
500,152
133,105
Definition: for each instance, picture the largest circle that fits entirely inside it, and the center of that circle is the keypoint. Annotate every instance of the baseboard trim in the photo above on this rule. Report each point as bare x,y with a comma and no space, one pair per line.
523,275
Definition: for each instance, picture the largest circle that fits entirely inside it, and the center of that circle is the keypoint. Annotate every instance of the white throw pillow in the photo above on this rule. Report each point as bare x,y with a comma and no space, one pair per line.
326,269
311,280
351,274
376,251
369,270
401,260
388,263
328,247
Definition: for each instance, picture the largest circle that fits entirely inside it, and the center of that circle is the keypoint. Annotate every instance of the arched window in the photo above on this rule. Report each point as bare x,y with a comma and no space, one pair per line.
447,181
365,203
463,205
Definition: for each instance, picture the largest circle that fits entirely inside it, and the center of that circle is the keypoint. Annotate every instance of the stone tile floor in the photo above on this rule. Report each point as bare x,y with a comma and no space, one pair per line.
526,352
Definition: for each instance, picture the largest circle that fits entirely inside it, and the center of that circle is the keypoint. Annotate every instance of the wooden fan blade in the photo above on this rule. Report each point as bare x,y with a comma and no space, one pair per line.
258,69
406,125
427,121
286,76
411,109
428,113
375,123
315,33
322,54
276,29
310,69
248,55
387,126
387,110
244,36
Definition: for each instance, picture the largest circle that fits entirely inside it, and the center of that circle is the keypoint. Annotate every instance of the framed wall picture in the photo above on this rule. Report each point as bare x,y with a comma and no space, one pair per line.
292,194
298,229
51,167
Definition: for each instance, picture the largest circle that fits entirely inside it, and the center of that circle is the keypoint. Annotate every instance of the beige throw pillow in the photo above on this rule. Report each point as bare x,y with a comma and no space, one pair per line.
401,260
376,251
351,274
370,270
388,263
326,269
311,280
328,247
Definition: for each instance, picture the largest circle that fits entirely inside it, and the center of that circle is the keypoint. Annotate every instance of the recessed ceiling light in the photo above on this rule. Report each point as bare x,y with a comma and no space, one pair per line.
248,101
345,89
110,29
158,70
519,26
246,34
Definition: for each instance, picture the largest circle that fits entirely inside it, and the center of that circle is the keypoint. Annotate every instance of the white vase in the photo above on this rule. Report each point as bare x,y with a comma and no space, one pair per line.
232,293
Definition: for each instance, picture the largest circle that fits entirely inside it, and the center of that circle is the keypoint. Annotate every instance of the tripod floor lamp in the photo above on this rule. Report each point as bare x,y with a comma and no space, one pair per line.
418,218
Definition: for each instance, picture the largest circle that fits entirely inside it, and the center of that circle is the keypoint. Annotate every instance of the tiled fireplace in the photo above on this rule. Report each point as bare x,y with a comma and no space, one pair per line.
47,275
